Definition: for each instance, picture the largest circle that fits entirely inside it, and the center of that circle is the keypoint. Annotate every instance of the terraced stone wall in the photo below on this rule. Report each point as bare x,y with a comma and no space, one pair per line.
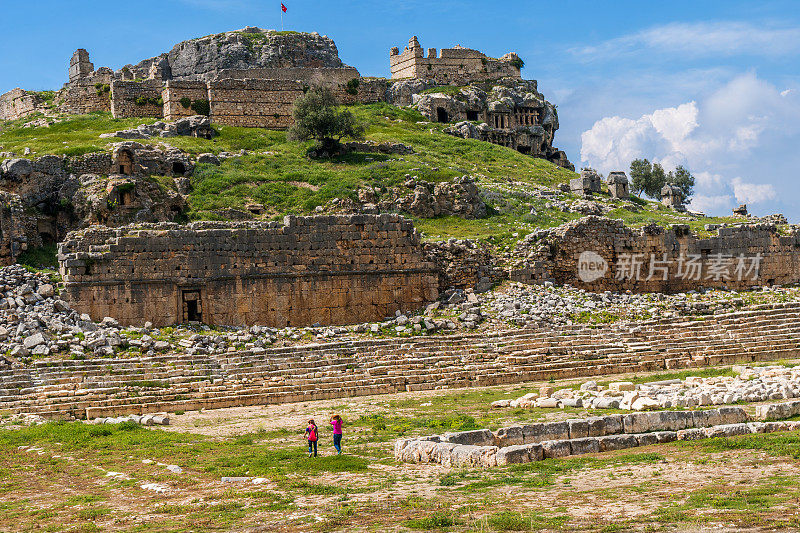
254,103
306,270
178,93
137,99
653,259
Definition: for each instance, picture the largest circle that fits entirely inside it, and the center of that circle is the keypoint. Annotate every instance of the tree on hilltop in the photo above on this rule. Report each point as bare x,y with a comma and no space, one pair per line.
317,116
650,178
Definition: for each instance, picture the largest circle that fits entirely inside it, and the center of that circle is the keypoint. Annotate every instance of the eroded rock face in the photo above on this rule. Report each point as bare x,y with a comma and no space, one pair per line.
509,112
250,48
460,197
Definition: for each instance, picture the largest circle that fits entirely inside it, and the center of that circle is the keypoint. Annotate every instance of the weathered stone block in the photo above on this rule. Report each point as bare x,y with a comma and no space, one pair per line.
583,446
548,431
552,449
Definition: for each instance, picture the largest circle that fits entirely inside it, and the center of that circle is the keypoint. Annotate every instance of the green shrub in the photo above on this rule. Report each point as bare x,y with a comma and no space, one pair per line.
186,102
149,100
352,86
201,107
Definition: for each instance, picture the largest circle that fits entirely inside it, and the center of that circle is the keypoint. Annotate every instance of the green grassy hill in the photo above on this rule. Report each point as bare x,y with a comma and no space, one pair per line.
277,173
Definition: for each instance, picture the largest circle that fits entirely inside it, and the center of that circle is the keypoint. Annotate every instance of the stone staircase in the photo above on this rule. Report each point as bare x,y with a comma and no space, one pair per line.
111,387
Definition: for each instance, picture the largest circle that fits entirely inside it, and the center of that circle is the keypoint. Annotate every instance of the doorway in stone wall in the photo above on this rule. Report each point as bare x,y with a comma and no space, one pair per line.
192,305
441,115
124,162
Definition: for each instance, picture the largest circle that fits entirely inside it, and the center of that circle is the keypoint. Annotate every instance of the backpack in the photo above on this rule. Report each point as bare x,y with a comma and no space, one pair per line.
312,433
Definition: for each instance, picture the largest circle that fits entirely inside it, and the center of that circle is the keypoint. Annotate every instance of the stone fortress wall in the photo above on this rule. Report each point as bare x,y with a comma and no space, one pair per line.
137,99
16,104
254,103
307,270
657,260
454,66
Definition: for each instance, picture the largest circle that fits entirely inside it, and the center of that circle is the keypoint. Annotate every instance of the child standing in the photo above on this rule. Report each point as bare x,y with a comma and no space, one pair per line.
312,435
336,422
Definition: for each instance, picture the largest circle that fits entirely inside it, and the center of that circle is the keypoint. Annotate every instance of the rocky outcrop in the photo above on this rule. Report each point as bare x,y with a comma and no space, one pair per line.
460,197
207,57
509,112
194,126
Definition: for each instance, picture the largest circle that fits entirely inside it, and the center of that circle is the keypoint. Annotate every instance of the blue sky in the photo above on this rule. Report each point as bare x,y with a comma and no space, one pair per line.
709,84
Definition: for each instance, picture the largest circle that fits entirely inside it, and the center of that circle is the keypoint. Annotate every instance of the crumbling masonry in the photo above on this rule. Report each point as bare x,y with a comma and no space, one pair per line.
306,270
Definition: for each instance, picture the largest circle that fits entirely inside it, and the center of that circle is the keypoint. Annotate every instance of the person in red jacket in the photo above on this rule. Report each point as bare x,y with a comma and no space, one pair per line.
312,435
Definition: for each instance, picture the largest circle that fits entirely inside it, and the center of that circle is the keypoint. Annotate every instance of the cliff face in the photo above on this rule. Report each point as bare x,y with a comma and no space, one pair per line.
251,48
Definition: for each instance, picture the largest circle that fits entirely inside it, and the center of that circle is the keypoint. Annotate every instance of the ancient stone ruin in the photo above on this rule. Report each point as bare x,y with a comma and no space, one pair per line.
587,184
249,77
672,196
618,185
306,270
454,66
600,254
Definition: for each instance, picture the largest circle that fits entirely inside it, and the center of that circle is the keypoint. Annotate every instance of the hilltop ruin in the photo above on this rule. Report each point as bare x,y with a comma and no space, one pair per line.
252,77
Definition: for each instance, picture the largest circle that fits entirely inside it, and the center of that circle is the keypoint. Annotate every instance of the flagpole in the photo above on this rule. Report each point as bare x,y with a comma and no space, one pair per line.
281,17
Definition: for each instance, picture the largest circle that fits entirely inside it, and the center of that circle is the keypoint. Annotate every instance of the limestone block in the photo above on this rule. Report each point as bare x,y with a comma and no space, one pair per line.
585,445
478,437
613,424
666,436
533,433
727,430
552,449
578,428
647,439
595,426
691,434
617,442
641,422
523,453
510,436
621,386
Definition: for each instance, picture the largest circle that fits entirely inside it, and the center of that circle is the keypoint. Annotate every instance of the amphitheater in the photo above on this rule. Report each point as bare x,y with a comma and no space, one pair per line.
102,387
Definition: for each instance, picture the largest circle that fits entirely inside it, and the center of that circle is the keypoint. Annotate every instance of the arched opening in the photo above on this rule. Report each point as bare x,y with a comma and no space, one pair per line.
178,168
125,162
441,115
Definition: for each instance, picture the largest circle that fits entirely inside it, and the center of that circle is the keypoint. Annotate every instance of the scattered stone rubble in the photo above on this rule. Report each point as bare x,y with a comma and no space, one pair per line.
145,420
36,323
194,126
535,442
751,384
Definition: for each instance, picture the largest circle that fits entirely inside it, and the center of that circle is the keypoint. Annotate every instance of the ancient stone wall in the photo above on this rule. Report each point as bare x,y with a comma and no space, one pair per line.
17,103
12,228
254,103
137,99
328,270
454,66
180,96
600,254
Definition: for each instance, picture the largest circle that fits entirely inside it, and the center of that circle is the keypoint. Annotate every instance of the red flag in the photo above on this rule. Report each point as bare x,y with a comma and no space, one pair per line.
283,7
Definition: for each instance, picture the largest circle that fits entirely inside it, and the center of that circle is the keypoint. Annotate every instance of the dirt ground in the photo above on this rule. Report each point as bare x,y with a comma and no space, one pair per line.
81,477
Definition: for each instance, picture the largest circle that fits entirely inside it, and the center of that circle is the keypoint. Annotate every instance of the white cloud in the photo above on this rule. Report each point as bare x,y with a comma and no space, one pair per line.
752,193
707,204
737,142
702,39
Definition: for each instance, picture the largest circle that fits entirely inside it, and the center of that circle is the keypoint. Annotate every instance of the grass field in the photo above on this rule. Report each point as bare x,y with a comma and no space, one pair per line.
277,174
80,477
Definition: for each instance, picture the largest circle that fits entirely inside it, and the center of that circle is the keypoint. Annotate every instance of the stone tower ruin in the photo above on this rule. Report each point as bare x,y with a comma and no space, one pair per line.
79,65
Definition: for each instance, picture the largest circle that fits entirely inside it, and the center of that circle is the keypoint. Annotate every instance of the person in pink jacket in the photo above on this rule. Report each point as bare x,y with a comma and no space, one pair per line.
336,422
